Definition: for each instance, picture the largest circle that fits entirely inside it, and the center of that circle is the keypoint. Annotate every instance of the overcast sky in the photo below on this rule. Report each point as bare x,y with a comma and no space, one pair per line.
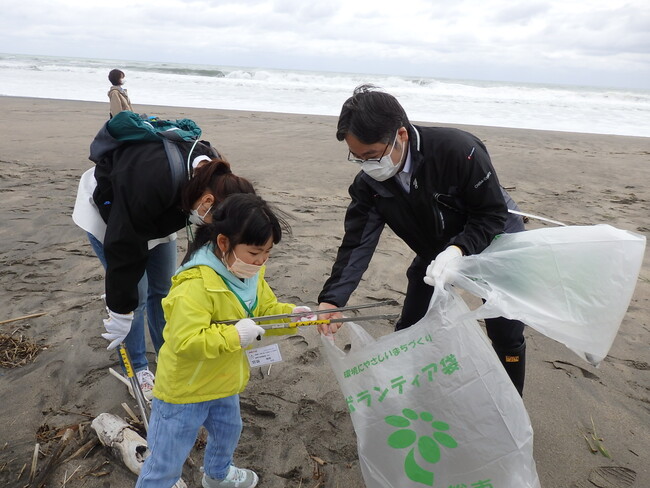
582,42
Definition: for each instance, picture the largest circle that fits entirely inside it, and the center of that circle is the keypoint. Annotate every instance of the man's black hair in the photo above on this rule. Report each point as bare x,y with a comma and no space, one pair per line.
371,116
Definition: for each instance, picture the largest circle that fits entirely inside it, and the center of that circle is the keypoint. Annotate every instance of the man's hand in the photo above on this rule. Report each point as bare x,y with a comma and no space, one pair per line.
329,329
437,274
118,326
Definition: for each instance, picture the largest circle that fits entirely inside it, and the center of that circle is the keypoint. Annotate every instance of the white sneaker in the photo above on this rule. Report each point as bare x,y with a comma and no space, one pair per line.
237,478
146,380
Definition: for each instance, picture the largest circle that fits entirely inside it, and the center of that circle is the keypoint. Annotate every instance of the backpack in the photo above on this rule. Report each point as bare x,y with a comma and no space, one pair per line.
179,141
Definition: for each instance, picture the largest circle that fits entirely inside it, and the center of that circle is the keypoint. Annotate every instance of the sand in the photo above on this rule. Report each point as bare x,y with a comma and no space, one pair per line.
295,412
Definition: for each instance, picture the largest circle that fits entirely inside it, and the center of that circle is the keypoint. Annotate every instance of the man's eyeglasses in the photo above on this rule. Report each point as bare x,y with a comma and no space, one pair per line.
353,159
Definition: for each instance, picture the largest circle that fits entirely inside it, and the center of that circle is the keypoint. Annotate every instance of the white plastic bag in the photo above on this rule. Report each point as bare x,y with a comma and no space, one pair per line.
432,406
572,284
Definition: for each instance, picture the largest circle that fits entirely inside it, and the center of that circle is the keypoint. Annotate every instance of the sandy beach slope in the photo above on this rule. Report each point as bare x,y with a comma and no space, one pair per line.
294,414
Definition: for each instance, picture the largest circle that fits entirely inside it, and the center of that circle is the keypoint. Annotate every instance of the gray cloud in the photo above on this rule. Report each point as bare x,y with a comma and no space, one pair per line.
563,39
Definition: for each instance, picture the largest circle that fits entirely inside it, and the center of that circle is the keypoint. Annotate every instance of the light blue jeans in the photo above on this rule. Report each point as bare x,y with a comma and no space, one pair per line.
172,433
152,288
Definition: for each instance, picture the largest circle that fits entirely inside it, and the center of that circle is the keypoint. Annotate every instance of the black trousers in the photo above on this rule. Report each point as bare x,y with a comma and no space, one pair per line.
505,334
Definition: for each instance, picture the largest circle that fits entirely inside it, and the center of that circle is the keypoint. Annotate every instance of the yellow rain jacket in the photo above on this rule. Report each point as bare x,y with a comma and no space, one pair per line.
201,358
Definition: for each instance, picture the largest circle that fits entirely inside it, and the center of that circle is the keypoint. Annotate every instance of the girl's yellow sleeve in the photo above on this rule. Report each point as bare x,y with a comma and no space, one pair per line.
268,305
190,331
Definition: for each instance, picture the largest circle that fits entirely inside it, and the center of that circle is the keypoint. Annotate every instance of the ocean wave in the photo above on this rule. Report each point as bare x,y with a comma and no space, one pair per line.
436,100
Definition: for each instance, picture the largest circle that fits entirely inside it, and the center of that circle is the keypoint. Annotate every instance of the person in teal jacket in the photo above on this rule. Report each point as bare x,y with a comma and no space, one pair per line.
202,366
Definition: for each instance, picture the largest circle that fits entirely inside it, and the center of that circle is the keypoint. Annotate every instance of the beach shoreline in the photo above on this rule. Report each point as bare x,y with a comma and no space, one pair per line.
296,412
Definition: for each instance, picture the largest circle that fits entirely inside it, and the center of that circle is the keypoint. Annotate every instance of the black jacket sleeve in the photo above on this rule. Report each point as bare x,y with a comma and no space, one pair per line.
144,206
363,227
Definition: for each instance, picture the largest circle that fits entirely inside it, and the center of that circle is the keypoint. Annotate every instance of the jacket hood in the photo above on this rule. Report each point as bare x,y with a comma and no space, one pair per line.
246,288
102,144
205,257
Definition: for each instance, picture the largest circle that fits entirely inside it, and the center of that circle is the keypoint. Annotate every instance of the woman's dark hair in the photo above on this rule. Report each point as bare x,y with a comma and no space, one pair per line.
115,76
216,176
244,218
371,116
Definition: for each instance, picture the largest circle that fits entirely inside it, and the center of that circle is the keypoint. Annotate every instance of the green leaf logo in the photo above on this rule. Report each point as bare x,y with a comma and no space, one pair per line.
428,446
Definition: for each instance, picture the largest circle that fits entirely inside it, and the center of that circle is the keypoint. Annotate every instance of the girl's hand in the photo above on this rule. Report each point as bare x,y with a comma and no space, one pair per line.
248,331
305,312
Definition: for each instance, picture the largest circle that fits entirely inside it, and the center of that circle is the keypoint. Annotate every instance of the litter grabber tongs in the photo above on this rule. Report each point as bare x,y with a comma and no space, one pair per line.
135,385
288,325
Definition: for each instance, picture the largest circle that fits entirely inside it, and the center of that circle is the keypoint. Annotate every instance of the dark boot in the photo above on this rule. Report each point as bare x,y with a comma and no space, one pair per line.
514,362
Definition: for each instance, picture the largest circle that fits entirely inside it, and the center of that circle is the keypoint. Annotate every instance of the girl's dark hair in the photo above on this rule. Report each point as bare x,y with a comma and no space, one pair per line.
214,175
371,116
115,76
244,218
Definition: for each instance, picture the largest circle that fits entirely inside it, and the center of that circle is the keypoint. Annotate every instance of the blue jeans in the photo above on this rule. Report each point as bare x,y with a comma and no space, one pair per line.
152,288
172,433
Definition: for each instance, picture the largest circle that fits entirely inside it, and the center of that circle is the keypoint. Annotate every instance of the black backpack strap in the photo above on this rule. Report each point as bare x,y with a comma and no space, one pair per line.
176,162
179,171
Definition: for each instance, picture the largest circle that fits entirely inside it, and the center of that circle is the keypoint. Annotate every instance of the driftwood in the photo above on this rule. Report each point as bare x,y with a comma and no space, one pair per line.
30,316
32,472
41,479
83,450
126,443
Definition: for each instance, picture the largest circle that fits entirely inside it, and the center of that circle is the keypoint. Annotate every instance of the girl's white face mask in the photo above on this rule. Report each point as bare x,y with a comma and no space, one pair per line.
243,270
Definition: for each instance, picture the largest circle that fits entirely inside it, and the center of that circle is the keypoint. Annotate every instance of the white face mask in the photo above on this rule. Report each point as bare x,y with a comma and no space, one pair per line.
243,270
196,218
384,168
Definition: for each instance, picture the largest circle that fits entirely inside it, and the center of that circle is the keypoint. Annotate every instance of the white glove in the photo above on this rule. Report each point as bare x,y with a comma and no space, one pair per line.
305,315
117,327
248,331
437,274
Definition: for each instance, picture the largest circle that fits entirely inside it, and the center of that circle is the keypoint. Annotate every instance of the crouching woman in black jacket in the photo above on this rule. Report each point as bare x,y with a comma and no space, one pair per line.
131,204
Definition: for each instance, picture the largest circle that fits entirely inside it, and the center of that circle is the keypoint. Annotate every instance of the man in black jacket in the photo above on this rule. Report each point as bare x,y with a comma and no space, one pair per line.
436,189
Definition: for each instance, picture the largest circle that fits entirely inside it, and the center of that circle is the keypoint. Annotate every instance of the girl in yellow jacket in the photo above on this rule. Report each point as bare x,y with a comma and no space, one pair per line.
202,366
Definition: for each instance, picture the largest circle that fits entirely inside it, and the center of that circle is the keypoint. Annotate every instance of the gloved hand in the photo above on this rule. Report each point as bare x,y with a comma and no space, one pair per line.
248,331
305,315
117,327
436,274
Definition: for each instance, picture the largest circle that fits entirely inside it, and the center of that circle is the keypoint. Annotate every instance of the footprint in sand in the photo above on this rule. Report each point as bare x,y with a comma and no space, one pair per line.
608,477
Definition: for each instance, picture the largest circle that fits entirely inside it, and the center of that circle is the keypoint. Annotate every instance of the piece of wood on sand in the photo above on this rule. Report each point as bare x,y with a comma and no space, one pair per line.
127,444
41,479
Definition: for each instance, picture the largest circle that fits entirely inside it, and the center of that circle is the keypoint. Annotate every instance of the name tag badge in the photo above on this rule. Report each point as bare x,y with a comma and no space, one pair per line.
261,356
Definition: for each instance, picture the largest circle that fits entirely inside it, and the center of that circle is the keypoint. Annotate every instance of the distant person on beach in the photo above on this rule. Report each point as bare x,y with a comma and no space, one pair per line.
435,188
117,95
131,208
203,367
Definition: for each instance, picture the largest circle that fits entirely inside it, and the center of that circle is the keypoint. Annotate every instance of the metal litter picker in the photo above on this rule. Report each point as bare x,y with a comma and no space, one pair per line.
289,325
135,385
265,318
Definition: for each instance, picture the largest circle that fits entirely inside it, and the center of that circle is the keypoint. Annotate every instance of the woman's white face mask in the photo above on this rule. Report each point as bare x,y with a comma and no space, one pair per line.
383,168
196,218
